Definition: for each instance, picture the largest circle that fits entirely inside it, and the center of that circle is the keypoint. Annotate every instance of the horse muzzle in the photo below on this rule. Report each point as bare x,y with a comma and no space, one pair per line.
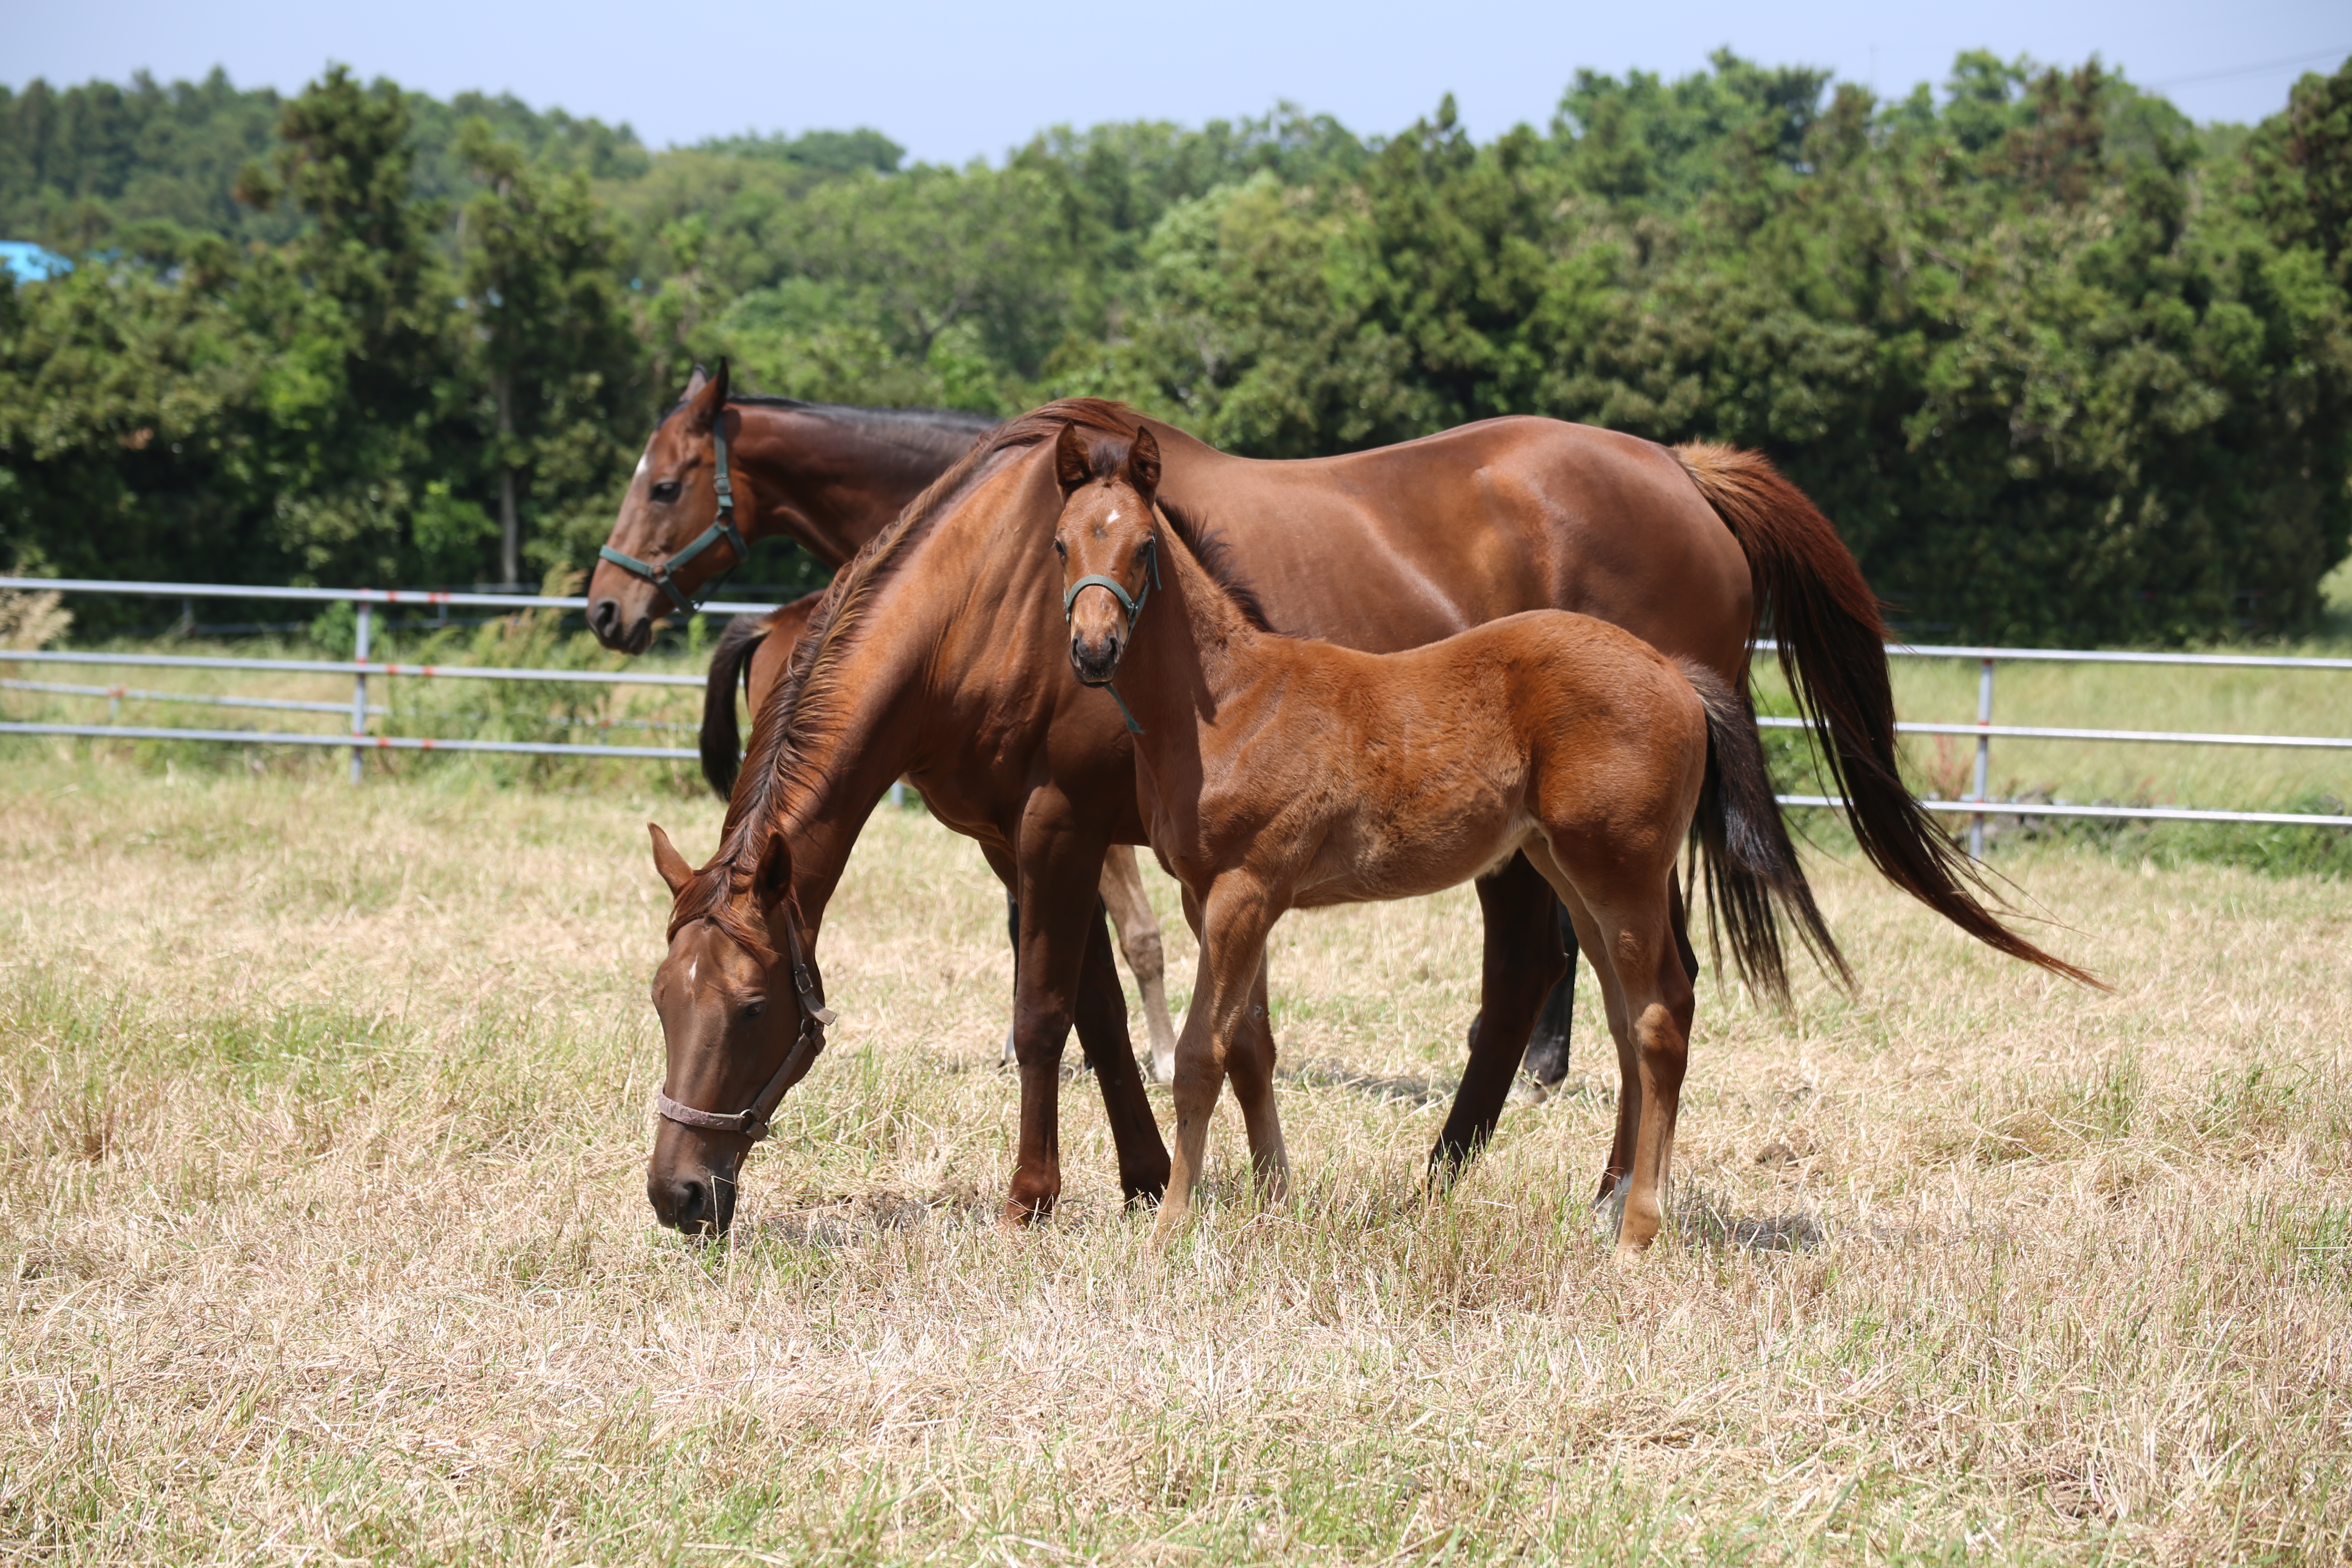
693,1201
1095,660
615,631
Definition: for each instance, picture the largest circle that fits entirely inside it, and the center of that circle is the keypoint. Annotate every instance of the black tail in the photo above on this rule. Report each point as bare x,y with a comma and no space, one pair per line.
1750,860
730,663
1832,649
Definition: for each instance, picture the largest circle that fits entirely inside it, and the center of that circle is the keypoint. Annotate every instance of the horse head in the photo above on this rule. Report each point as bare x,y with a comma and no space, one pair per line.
676,532
743,1017
1109,539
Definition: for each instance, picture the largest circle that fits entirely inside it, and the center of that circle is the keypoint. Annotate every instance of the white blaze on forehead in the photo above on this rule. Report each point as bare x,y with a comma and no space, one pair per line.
1114,515
642,459
693,967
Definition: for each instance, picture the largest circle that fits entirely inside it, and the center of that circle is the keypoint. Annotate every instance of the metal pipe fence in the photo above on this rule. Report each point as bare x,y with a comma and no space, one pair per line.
359,667
1977,805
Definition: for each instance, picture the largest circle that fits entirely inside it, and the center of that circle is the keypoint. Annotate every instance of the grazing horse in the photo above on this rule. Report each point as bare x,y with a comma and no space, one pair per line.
828,477
1278,773
760,649
936,655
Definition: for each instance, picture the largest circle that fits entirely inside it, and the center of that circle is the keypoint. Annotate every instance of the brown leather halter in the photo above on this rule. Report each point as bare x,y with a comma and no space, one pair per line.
753,1122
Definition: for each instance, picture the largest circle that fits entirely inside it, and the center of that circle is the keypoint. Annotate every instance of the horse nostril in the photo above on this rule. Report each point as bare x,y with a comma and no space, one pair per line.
603,616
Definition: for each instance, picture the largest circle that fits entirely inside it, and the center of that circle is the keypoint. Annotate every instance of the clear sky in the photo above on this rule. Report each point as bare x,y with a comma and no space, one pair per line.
956,81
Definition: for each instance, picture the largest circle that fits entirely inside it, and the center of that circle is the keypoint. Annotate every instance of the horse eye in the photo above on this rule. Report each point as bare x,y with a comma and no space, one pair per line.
665,491
1061,550
753,1010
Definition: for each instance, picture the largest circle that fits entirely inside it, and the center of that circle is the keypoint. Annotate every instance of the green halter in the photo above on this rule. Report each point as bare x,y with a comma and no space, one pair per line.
1134,608
662,577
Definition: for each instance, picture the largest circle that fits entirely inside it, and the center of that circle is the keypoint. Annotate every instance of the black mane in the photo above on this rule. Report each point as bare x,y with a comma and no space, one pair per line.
1215,555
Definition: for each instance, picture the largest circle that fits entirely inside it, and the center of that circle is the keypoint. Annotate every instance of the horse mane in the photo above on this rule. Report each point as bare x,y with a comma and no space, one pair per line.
920,436
803,707
1214,553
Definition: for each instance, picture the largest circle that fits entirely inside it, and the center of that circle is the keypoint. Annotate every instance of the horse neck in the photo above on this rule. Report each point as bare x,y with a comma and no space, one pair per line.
827,482
1196,648
903,680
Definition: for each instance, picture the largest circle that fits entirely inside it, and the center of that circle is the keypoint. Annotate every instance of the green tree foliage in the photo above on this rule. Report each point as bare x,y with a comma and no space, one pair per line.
554,345
2060,364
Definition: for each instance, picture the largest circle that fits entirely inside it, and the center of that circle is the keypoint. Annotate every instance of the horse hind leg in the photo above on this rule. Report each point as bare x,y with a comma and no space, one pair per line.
1138,940
1590,937
1656,1002
1251,1070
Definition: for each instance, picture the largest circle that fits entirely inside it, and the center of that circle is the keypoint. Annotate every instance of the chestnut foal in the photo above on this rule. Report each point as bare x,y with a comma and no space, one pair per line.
1276,772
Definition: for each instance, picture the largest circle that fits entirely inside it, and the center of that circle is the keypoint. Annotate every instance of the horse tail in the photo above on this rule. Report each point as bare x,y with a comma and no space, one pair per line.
1833,650
1750,862
730,662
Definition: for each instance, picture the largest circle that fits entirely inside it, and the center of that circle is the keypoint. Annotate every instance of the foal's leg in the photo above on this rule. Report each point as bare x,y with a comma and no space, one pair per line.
1232,924
1139,938
1657,997
1522,965
1612,1001
1251,1069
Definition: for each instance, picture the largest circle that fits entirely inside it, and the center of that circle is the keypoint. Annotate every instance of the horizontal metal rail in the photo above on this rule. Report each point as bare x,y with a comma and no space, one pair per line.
2032,733
2093,656
365,742
333,596
341,709
2126,812
355,666
132,694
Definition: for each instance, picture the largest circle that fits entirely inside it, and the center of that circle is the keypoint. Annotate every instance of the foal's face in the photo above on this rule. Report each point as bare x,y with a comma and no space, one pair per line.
1108,530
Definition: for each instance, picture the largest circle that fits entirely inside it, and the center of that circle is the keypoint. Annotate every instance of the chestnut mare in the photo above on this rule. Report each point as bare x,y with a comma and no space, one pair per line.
936,655
827,477
1278,773
762,648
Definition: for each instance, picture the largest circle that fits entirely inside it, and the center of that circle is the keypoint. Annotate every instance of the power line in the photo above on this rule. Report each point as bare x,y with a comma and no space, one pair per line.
2252,69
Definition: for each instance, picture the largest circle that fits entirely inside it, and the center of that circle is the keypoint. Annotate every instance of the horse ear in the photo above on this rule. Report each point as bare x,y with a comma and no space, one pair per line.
695,384
705,396
1073,463
1143,464
669,862
774,880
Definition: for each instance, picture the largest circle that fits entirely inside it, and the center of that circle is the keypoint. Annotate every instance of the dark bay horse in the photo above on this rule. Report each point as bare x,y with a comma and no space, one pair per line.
1277,774
938,653
826,476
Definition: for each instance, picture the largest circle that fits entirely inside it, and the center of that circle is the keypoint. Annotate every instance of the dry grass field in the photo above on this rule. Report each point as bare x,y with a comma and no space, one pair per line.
322,1117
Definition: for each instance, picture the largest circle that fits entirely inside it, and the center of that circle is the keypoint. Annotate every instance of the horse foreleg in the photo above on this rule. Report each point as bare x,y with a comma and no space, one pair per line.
1058,868
1139,938
1000,862
1232,924
1523,958
1102,1035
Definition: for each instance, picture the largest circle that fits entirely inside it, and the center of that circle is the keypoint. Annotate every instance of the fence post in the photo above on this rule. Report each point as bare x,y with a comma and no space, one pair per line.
1984,760
359,687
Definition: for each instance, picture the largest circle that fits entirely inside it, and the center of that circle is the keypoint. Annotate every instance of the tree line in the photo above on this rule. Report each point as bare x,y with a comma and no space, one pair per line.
2060,363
